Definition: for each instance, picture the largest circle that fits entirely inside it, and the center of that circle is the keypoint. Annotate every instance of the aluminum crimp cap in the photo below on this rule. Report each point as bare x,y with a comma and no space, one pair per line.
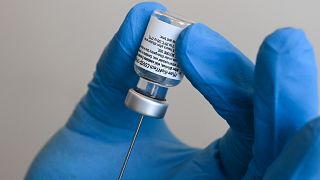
146,105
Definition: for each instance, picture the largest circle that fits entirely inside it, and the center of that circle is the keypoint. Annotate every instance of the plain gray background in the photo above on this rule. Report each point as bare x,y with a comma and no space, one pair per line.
48,52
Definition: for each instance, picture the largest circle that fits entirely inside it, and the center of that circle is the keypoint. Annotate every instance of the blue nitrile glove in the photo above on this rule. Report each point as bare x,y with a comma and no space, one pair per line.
284,98
95,140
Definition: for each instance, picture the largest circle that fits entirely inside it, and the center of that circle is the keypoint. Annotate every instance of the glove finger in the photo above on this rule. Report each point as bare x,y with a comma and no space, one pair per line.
285,94
224,76
300,158
220,72
115,67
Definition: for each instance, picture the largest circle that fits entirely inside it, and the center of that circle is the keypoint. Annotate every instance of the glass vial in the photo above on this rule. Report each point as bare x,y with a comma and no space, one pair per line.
156,65
156,56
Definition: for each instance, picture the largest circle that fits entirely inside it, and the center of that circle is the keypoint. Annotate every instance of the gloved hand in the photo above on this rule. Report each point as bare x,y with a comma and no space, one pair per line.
95,140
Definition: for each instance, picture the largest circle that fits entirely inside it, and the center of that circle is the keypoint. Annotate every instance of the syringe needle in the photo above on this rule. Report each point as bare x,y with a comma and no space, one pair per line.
130,148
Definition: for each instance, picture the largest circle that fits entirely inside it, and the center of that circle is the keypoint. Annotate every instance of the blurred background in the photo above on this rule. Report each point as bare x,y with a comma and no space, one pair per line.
48,52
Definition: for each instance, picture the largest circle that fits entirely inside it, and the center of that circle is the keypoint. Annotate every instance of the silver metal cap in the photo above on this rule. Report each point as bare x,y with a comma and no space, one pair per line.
146,105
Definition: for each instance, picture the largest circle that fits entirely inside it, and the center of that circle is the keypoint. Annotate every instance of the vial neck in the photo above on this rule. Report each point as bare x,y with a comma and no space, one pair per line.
151,89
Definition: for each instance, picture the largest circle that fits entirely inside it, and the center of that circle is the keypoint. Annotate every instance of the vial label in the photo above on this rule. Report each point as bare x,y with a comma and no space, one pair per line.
157,51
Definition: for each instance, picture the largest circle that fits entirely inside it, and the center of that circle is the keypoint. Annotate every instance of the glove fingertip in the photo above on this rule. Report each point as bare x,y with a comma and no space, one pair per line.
133,27
190,37
288,39
190,48
145,9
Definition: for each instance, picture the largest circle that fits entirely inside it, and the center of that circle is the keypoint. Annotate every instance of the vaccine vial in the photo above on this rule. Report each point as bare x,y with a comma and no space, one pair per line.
156,65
